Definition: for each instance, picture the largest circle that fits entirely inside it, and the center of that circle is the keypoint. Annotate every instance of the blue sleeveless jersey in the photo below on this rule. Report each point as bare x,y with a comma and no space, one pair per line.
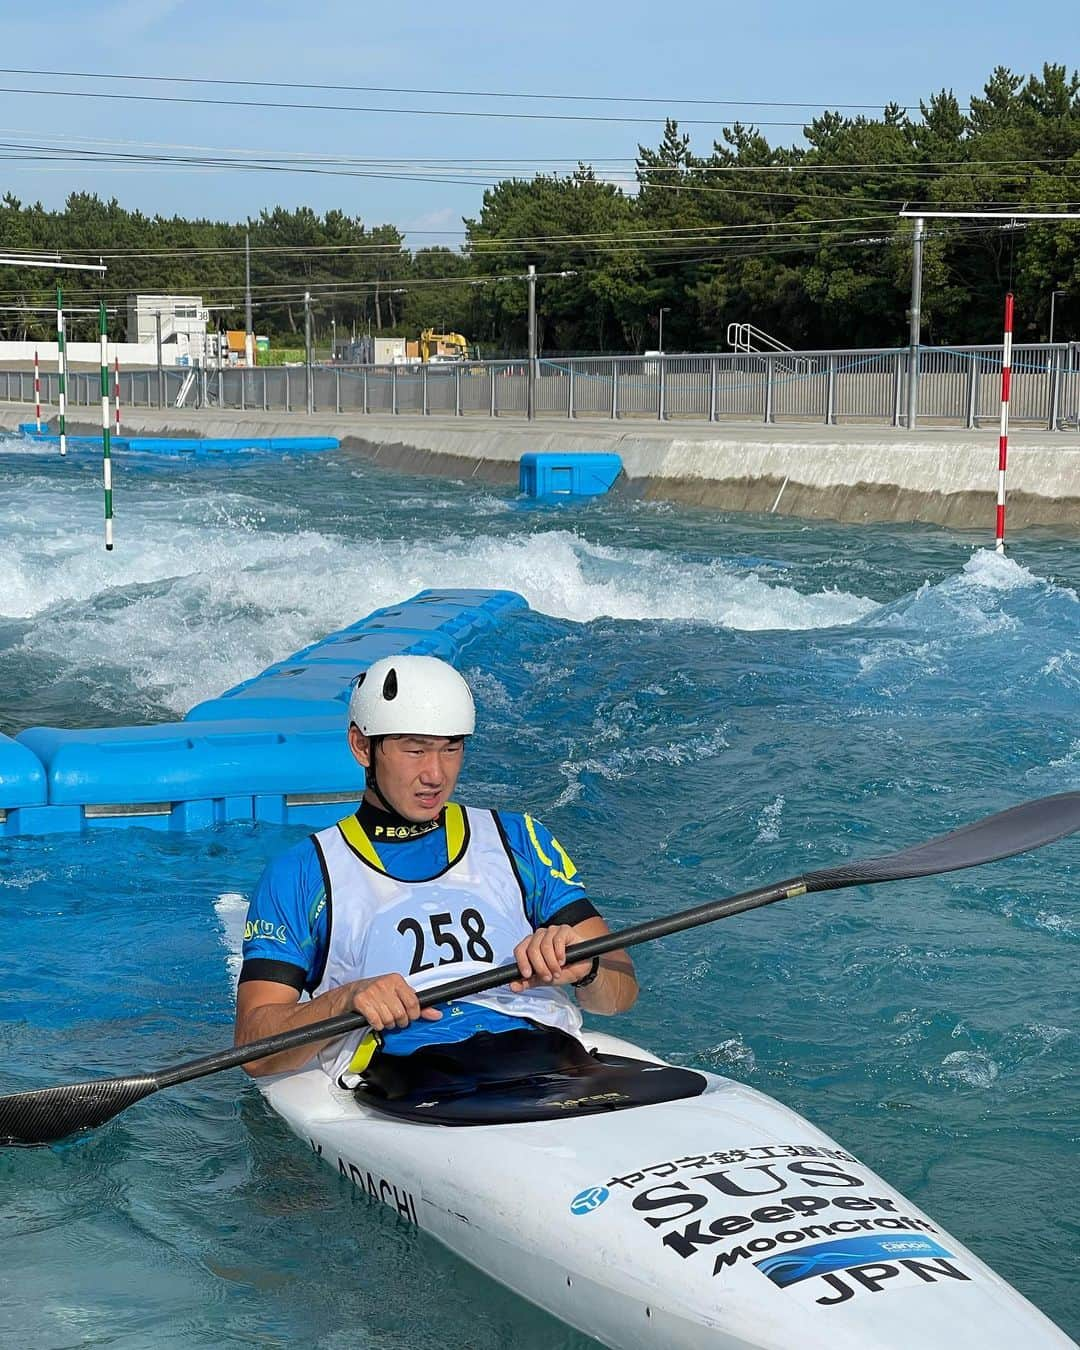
285,937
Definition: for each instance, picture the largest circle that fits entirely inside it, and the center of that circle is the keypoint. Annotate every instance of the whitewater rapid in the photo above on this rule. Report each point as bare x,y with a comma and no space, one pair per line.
697,704
208,585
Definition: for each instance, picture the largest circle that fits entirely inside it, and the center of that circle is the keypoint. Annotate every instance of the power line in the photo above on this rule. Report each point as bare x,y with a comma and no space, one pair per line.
449,93
322,292
678,246
642,180
494,241
362,108
227,156
427,162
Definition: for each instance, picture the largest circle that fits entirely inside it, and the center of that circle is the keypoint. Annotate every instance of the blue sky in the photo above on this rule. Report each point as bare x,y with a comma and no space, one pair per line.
825,55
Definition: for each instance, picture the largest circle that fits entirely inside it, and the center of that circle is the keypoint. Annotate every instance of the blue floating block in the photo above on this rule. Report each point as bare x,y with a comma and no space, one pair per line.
177,761
41,820
567,475
272,749
314,810
202,445
73,442
22,776
316,681
358,649
318,685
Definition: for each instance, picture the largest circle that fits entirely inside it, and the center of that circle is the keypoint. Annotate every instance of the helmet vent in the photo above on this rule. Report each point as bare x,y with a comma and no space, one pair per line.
389,689
360,679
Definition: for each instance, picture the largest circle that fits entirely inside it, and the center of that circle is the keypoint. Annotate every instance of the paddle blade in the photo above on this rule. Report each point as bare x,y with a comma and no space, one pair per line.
1017,830
44,1116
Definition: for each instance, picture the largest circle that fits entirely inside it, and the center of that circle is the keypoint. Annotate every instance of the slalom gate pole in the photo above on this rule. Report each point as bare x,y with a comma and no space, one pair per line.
1003,437
106,449
116,393
61,367
37,393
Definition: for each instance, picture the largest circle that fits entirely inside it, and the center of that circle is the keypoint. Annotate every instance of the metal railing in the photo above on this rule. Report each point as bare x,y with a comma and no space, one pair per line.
957,386
748,337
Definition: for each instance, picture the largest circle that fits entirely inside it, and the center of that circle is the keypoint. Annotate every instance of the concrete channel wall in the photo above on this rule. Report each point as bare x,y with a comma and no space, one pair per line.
838,472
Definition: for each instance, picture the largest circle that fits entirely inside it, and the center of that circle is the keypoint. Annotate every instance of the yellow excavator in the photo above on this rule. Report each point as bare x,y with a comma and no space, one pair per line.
443,346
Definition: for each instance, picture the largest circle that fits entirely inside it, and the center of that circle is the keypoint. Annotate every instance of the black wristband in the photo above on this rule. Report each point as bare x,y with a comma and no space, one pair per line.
594,970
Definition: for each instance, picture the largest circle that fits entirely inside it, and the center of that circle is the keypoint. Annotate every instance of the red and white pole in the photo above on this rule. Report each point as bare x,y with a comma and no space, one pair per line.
116,391
1003,437
37,393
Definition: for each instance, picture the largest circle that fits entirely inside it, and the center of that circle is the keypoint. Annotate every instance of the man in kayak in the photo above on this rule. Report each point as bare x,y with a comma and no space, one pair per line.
412,891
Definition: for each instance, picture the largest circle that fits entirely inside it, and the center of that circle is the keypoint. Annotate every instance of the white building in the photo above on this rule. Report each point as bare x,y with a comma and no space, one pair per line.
183,325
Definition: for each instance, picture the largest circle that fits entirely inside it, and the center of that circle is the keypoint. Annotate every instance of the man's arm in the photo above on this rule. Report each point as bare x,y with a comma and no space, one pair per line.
562,914
264,1008
284,934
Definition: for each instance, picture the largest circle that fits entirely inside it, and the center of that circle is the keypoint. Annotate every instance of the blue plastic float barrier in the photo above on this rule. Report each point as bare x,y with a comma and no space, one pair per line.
199,445
75,442
568,475
316,681
185,777
271,749
22,782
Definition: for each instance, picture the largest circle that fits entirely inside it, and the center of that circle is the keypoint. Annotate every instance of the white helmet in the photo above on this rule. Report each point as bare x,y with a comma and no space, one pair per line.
412,696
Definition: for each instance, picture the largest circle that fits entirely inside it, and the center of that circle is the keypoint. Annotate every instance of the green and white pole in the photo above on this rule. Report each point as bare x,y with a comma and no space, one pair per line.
61,367
106,447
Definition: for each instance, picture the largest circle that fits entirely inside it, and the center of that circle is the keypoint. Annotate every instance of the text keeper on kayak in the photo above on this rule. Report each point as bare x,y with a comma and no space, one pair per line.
415,890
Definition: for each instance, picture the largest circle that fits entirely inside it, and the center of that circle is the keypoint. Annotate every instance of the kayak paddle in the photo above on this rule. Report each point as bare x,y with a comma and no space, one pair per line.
45,1115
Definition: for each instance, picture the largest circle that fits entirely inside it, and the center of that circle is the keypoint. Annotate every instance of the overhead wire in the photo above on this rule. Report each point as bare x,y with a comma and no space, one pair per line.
495,242
448,93
284,292
643,182
190,100
802,165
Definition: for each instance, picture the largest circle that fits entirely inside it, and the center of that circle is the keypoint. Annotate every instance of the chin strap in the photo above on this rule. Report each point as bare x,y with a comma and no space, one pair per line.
370,781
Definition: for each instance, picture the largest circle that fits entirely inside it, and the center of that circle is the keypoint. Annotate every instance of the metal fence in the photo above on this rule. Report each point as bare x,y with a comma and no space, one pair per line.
957,386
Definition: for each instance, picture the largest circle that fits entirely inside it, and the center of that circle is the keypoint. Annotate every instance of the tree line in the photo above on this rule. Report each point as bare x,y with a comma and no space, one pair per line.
803,241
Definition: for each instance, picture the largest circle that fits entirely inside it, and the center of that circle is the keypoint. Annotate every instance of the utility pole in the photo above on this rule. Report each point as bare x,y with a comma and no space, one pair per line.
160,370
531,396
665,309
249,332
307,352
1053,296
915,324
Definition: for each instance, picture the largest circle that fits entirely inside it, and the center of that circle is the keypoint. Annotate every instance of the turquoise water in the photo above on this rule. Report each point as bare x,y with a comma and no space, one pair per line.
697,704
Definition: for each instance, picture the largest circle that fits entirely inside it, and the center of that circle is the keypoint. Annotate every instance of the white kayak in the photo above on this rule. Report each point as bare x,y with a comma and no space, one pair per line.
722,1220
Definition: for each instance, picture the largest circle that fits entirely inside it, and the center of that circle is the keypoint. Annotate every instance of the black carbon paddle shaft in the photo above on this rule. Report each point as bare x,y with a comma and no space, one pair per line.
52,1113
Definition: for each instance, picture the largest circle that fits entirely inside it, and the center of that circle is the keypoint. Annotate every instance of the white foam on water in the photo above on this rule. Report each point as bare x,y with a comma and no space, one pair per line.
731,1054
563,574
1023,912
1070,760
768,822
984,600
994,572
1063,668
624,761
207,588
973,1068
231,908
